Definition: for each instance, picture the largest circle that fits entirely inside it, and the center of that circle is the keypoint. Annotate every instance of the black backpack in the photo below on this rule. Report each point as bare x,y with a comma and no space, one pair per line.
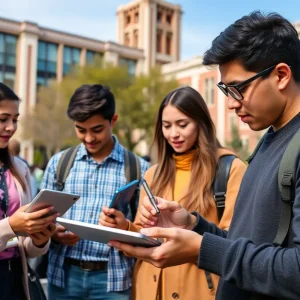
132,172
220,182
219,191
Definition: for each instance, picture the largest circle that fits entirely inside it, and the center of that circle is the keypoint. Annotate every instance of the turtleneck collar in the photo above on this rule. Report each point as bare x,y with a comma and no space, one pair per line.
184,161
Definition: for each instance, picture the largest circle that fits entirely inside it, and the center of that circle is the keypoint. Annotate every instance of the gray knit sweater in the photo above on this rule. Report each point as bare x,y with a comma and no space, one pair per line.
249,265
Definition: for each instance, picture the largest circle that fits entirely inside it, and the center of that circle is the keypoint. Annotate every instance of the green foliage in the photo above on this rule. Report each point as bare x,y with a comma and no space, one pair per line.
137,101
38,157
137,106
236,143
47,123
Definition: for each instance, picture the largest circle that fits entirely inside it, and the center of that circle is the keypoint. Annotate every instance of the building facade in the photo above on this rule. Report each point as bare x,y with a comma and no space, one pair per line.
31,55
148,34
151,25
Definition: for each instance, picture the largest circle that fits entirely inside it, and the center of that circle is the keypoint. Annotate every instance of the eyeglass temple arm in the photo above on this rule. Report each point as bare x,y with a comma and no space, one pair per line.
254,77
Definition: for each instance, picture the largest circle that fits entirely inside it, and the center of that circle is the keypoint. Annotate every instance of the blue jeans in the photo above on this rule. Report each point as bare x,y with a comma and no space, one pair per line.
84,285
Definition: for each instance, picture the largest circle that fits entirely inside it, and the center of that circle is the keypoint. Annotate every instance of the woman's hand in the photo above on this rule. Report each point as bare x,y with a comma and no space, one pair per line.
41,238
33,222
111,217
172,214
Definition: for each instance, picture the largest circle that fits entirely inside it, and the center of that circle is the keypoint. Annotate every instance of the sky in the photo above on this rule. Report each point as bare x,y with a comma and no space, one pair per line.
202,20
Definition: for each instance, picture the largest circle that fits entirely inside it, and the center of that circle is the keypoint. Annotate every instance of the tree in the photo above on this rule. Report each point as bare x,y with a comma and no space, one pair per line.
47,124
236,143
137,101
137,106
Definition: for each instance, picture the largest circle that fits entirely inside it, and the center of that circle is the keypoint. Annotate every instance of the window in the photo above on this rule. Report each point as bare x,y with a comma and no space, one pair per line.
159,41
127,39
136,17
130,63
159,17
209,90
135,38
47,61
169,44
8,59
128,20
71,58
90,57
169,19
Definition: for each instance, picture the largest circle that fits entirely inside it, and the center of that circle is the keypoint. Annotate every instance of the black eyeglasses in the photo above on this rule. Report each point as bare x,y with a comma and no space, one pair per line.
234,89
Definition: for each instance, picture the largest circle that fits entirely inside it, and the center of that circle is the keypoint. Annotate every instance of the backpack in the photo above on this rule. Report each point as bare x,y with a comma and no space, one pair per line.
219,191
132,172
220,182
286,184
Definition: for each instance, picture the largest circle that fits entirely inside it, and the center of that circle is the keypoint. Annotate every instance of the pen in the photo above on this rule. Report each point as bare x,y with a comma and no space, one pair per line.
150,195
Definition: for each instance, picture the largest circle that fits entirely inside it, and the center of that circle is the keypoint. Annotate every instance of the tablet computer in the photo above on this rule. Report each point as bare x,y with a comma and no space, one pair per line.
60,200
123,196
104,234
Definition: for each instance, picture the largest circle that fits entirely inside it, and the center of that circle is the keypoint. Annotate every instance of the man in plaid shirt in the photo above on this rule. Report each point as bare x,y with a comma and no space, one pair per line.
77,268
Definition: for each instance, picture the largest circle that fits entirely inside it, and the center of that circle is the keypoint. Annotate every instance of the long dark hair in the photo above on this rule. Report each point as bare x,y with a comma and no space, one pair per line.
204,163
7,94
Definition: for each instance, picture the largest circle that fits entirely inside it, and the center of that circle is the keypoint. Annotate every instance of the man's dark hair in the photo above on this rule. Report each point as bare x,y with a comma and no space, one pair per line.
89,100
257,41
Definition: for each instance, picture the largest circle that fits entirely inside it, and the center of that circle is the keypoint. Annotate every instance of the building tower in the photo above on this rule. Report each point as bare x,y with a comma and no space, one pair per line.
151,25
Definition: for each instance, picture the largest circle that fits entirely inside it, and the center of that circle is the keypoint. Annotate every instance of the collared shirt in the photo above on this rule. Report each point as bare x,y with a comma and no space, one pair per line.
96,184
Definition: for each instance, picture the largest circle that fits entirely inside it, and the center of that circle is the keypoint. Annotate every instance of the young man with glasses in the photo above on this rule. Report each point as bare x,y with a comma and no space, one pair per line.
259,61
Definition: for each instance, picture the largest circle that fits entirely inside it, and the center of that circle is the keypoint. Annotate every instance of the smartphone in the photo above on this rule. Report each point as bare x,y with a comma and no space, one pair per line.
123,196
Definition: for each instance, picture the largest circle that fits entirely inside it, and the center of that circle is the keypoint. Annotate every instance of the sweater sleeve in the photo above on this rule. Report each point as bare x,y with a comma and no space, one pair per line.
6,233
202,226
265,269
32,250
237,172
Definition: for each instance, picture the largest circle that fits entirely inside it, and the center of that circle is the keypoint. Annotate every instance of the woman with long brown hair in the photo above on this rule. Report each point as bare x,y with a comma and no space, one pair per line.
15,193
188,153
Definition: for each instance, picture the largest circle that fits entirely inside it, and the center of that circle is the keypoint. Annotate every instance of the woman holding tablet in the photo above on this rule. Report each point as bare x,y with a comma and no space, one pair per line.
188,152
15,193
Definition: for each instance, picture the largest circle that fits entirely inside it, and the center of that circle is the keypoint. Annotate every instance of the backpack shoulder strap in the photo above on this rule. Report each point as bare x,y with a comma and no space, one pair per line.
219,190
286,182
132,166
132,172
249,159
220,182
64,165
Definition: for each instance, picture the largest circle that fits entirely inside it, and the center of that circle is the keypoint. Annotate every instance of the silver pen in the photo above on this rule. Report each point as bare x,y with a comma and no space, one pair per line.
150,195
